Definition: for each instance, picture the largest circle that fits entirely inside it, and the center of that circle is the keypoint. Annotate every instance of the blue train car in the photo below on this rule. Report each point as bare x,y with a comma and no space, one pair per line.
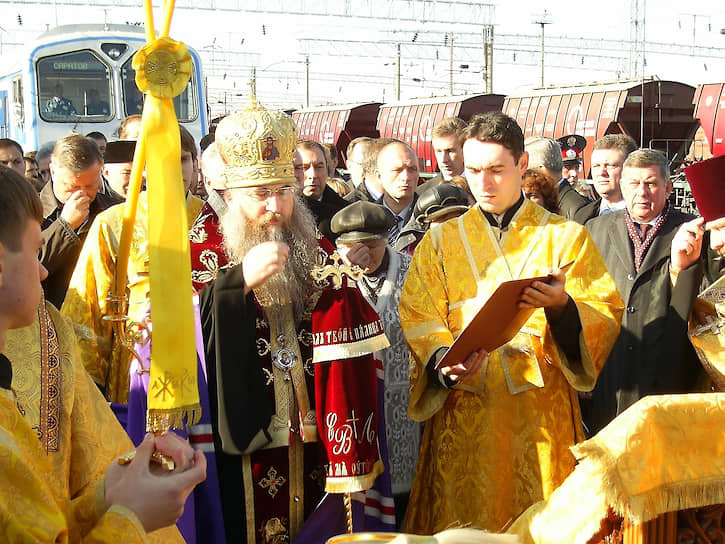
79,79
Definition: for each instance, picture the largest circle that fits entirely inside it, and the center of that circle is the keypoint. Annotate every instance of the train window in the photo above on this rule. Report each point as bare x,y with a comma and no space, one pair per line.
18,100
185,104
74,86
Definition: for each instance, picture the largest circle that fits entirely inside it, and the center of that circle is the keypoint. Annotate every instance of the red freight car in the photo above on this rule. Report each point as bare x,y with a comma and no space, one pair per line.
709,104
610,108
413,120
337,125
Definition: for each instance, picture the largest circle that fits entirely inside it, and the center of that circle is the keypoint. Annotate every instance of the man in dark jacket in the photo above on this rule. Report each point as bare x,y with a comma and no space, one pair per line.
652,354
310,163
70,203
545,154
608,157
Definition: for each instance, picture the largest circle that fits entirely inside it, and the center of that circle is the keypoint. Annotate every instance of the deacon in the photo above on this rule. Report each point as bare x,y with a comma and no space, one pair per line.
499,425
291,414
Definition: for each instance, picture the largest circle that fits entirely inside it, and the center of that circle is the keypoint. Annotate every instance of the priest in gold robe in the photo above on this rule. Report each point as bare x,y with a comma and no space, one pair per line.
87,304
499,424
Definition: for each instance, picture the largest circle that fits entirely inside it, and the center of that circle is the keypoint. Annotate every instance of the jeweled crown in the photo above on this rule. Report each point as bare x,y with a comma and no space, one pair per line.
257,146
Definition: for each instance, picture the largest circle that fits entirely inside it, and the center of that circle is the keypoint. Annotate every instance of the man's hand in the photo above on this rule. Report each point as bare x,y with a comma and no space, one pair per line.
157,499
75,209
359,254
686,244
469,367
550,296
262,262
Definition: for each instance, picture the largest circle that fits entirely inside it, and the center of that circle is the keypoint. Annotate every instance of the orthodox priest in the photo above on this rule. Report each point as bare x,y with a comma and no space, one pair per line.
288,347
499,425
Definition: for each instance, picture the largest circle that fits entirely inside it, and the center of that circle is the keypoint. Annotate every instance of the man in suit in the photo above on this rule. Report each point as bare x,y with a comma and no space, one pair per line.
370,188
310,164
608,157
545,154
652,354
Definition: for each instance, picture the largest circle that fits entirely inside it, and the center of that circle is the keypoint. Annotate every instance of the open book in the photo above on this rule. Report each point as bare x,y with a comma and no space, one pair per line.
497,322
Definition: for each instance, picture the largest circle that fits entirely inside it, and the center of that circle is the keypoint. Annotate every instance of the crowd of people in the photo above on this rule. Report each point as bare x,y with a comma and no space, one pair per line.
474,442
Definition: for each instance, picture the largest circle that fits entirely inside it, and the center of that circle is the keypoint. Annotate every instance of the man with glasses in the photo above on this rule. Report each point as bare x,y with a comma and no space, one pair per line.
608,156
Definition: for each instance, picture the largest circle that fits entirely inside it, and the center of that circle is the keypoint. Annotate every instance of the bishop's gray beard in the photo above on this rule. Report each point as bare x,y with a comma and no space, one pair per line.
294,283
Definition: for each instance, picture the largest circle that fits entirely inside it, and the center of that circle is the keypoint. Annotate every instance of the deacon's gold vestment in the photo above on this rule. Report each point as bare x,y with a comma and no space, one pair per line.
106,360
73,429
498,442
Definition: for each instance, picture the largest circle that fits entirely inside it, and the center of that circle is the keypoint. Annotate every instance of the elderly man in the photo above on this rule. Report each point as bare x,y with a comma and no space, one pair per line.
87,303
362,235
71,201
608,157
271,321
545,154
500,424
310,163
652,355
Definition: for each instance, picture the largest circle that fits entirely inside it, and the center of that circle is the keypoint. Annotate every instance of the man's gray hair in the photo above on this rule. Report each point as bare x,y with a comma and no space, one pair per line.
645,158
545,153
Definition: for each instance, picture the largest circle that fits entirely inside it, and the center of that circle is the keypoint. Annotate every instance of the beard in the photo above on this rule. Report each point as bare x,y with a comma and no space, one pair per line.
293,285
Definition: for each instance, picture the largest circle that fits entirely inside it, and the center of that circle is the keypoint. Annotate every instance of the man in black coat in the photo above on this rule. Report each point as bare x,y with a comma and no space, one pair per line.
70,203
310,163
652,354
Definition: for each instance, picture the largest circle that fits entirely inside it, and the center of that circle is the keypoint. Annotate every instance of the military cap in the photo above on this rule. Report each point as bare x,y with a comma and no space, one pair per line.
119,151
362,221
707,182
572,147
439,201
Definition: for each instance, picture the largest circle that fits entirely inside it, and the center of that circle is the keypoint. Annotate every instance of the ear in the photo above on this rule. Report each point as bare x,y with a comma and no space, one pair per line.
523,162
669,188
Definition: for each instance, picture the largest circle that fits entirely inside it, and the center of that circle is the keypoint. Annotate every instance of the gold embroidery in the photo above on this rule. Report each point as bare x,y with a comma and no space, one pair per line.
269,377
272,482
50,380
197,233
263,347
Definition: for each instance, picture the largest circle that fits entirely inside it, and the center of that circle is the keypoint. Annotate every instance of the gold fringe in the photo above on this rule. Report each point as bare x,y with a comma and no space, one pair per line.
670,498
159,420
352,484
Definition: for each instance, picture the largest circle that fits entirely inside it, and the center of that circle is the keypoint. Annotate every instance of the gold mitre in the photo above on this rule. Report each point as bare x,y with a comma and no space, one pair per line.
257,146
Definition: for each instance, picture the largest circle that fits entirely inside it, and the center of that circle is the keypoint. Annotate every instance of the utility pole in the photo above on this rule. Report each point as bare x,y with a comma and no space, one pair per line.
397,72
543,20
488,58
307,81
450,63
